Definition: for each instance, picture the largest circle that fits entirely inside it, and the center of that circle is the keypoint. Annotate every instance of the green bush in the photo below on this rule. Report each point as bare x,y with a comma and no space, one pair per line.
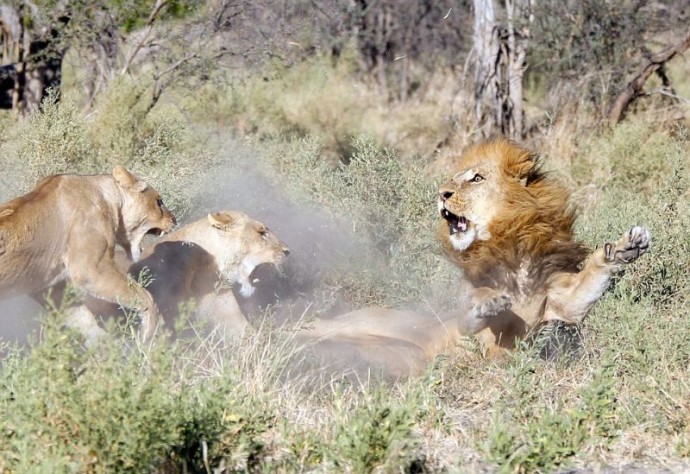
390,206
378,432
536,428
52,140
120,409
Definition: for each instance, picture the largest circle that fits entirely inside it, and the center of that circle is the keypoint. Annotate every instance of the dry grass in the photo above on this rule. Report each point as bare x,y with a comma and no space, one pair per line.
203,404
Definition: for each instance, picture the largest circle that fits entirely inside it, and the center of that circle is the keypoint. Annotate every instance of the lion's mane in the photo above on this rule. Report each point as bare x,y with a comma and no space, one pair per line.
533,231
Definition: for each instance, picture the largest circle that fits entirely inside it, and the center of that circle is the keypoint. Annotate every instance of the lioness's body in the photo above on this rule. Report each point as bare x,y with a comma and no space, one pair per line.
198,261
509,227
68,227
392,342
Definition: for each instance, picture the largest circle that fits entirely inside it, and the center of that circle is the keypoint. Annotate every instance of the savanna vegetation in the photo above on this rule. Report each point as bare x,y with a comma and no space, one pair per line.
332,122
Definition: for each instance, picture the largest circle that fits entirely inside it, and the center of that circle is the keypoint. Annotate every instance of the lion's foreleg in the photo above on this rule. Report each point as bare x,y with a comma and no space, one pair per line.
485,304
104,280
572,295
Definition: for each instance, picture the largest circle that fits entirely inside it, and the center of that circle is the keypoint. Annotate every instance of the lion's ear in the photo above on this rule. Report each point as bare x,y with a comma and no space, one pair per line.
524,166
127,180
222,220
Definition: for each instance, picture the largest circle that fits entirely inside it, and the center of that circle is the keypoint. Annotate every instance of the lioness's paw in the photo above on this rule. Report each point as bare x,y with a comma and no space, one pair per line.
634,243
491,306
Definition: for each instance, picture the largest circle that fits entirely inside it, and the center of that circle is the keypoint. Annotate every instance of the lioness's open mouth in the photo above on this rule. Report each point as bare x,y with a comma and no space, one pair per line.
455,223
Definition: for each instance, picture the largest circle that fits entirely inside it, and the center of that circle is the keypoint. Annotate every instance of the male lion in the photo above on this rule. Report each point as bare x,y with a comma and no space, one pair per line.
68,227
509,227
196,260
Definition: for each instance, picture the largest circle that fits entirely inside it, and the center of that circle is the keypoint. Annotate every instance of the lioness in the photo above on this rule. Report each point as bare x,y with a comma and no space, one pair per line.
393,342
509,227
196,260
68,227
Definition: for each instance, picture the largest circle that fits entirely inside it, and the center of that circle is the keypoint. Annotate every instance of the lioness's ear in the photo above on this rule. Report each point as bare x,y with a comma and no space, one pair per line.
221,220
127,180
123,177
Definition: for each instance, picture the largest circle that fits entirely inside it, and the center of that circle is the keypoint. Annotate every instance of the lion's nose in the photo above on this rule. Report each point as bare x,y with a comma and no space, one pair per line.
445,195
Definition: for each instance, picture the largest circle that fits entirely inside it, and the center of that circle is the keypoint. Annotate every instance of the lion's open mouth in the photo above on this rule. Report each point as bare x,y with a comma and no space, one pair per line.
455,223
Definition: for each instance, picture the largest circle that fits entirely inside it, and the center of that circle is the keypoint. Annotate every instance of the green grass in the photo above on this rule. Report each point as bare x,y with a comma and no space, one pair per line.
199,405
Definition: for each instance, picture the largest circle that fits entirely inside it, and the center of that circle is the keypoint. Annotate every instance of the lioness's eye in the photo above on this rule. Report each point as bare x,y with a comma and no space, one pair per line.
477,178
159,201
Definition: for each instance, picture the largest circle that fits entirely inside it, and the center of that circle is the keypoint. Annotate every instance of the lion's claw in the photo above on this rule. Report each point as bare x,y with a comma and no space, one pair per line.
491,306
634,243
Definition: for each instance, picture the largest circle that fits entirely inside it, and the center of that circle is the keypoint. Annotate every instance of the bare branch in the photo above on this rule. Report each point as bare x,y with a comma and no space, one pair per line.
635,85
155,12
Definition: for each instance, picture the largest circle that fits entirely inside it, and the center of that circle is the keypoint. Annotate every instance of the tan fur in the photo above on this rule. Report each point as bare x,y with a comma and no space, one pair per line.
391,342
199,260
68,227
518,255
527,252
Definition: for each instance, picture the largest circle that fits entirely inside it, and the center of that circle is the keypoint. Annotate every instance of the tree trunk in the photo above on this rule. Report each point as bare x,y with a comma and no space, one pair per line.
20,66
487,52
500,66
518,37
35,62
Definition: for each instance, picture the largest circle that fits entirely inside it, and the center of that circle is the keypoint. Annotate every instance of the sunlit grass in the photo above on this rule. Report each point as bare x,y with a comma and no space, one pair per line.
202,403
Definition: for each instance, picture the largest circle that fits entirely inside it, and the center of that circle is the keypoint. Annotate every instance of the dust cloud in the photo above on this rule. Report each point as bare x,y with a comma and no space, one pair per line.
19,319
318,240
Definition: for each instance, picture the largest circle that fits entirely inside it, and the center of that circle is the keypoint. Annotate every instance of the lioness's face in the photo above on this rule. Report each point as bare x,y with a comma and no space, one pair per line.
469,202
245,243
159,219
143,211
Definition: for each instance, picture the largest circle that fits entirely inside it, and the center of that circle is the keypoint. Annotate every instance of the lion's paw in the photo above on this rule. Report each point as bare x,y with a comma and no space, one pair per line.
491,306
634,243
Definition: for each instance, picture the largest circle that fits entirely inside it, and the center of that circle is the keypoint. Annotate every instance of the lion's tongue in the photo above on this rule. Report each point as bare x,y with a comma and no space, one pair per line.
459,224
462,224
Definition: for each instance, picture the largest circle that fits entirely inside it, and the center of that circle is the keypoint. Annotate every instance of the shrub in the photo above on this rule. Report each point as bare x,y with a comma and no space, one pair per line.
52,140
110,410
386,207
538,429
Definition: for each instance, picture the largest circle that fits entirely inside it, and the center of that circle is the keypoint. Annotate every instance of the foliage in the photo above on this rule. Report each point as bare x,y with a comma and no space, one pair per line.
546,429
120,409
322,99
60,138
201,404
53,140
376,433
132,14
390,209
584,51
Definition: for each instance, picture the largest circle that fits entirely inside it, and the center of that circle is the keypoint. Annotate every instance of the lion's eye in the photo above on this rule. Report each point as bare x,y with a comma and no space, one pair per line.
477,178
159,201
263,232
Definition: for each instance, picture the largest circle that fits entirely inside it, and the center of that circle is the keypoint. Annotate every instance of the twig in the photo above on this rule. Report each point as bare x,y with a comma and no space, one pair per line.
669,94
157,8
